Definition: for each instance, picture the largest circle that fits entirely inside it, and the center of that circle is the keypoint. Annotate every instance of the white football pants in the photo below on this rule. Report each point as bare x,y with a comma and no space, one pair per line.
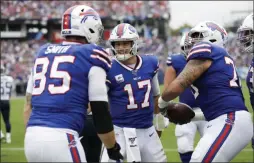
185,135
44,144
224,137
139,145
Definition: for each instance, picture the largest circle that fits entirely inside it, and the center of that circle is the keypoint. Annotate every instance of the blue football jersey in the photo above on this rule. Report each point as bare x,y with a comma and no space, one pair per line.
178,62
130,92
60,92
219,87
249,82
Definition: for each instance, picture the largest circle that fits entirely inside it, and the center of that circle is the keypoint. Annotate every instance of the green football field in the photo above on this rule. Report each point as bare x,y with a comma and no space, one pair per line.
14,152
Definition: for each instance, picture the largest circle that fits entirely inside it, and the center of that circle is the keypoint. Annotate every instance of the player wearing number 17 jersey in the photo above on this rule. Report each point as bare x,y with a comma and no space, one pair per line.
133,94
65,78
210,68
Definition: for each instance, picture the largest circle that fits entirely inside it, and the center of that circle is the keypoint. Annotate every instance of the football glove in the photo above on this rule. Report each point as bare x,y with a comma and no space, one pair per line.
162,103
160,122
114,153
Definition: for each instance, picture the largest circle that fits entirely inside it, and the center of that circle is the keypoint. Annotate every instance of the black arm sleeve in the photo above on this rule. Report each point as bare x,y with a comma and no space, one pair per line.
101,117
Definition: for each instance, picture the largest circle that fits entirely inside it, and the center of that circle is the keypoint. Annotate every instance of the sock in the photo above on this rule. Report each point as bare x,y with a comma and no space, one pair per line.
185,157
8,135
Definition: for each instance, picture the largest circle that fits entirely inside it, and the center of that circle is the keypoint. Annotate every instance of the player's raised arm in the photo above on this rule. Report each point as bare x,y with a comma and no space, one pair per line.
160,122
156,91
99,105
193,70
170,74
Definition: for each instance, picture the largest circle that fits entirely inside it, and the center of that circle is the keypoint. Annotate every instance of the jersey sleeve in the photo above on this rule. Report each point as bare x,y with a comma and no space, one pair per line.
174,61
29,88
169,61
108,83
97,89
155,63
201,50
155,85
99,57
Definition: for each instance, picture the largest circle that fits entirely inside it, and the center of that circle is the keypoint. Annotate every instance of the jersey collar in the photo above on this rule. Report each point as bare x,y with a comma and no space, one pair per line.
137,66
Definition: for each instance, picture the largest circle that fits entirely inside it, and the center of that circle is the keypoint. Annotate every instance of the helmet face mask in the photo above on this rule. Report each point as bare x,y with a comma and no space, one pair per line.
245,37
187,47
210,32
198,36
246,34
186,44
122,50
125,35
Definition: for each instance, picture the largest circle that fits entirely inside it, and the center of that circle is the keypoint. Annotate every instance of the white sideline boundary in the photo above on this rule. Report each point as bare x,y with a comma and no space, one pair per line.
166,149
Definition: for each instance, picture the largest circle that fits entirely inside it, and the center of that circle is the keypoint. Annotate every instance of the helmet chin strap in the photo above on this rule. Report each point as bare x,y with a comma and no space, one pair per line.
123,57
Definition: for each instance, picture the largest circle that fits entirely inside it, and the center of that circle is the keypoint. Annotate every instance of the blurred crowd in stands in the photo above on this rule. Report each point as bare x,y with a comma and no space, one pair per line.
18,56
115,9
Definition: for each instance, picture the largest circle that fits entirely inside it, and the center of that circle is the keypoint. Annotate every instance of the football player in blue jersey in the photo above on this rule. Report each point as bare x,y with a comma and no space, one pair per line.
212,72
245,36
133,91
185,134
64,79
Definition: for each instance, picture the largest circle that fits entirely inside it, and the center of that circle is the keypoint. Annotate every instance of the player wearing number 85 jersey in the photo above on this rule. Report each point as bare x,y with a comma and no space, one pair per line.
65,78
133,94
210,68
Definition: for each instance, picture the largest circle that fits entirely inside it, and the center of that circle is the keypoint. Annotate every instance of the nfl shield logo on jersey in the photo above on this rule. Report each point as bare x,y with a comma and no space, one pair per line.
119,78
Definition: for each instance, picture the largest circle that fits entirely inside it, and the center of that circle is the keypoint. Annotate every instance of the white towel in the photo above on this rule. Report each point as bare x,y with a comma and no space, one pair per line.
132,147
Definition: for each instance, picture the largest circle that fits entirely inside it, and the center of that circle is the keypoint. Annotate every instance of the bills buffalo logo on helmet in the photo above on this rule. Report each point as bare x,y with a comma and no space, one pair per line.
214,27
88,13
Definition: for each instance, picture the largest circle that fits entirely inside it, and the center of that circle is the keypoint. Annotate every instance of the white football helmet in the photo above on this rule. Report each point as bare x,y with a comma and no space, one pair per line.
81,20
124,32
185,44
246,34
210,32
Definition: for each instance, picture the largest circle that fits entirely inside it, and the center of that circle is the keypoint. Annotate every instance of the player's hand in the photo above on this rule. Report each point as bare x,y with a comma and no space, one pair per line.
114,153
166,122
159,122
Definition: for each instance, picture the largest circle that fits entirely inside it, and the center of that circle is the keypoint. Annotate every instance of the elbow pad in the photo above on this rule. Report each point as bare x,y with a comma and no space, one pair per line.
101,117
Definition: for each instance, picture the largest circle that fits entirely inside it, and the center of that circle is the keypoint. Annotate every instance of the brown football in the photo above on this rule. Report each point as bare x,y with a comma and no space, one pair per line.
179,113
